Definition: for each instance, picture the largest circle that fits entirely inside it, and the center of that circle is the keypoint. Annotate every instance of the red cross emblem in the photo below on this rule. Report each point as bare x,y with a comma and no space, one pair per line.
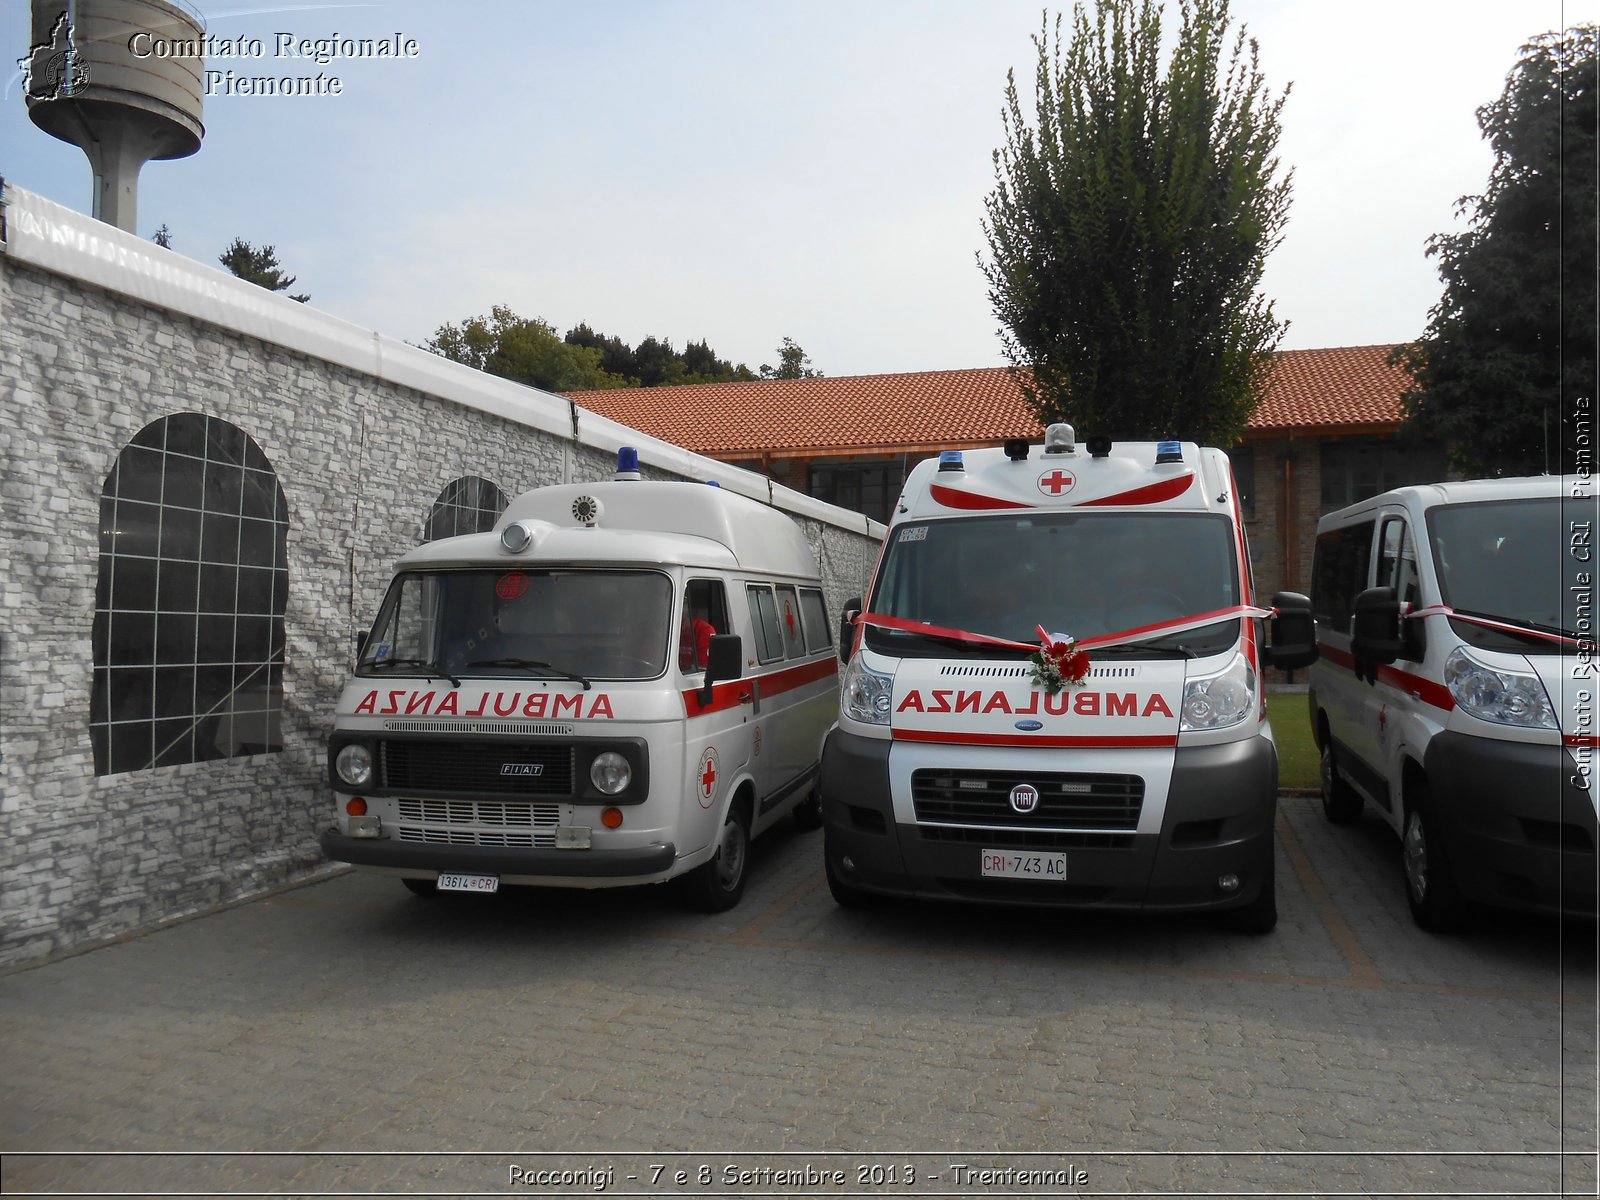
1054,483
708,776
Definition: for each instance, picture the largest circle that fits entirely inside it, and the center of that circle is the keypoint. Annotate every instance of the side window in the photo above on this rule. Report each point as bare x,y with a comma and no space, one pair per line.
764,618
1398,565
794,641
1339,574
814,616
705,612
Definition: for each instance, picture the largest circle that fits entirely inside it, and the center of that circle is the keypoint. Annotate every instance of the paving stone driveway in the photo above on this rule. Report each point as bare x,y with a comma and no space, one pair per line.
347,1037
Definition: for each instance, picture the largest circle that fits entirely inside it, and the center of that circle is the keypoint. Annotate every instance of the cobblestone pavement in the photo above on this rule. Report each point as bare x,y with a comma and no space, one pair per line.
347,1037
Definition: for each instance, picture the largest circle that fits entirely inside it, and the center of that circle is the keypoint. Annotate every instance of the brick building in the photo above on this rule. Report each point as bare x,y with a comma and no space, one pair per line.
1322,437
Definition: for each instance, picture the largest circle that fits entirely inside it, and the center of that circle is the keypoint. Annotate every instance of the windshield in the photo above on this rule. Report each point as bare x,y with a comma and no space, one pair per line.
1081,574
1515,560
541,623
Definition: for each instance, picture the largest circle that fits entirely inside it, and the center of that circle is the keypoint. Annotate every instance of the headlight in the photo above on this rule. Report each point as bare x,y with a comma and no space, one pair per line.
1504,697
1218,701
354,765
610,772
867,694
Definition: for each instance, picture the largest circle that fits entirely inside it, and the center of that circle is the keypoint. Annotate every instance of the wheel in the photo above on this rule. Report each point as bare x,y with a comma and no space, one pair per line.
421,887
808,813
716,885
1436,902
1341,803
845,895
1260,916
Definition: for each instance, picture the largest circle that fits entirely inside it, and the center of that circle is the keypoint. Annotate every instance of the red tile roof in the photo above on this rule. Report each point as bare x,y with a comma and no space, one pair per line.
1309,390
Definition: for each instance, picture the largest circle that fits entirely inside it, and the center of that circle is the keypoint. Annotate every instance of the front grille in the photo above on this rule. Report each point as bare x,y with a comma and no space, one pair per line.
1109,803
461,767
440,822
1027,839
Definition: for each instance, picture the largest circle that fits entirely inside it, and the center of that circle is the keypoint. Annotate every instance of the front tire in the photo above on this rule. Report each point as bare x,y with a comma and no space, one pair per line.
1341,803
716,885
1436,902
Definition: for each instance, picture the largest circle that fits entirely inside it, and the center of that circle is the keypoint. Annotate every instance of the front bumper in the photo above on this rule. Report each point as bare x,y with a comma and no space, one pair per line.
1218,821
513,865
1521,833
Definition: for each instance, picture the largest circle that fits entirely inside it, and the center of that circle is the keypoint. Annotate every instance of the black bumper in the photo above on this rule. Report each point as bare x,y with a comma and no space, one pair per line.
497,860
1219,820
1521,833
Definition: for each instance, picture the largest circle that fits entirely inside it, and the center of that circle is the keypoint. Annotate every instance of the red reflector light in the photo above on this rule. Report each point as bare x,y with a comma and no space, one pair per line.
356,806
611,818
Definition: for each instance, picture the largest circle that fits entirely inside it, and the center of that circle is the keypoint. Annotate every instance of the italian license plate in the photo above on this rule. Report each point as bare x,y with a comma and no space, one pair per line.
1021,864
468,883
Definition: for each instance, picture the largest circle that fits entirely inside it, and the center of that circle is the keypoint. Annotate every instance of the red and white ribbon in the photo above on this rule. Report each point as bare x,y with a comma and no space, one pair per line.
1140,633
1444,610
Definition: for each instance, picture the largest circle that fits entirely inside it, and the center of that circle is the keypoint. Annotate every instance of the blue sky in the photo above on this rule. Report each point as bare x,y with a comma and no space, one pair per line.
746,171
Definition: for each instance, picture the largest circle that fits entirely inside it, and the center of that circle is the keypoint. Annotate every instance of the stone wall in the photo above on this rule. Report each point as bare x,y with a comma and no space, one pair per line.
87,359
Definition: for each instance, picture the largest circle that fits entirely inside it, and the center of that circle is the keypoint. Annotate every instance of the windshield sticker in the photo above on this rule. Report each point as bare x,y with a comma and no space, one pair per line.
512,585
914,533
382,650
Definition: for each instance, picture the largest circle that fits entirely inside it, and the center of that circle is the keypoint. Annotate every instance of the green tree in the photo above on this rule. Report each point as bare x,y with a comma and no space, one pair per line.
793,363
526,350
1130,224
1505,372
258,266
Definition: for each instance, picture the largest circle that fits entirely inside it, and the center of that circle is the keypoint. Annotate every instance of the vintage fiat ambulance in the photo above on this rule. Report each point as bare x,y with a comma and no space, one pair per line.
1456,688
1053,693
622,683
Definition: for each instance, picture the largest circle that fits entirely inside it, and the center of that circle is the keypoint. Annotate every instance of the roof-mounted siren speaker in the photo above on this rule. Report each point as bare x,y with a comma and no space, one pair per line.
1060,439
1017,449
1099,446
1169,452
627,463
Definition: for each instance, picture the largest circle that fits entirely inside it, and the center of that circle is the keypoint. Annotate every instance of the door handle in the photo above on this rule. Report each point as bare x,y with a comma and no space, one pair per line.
746,697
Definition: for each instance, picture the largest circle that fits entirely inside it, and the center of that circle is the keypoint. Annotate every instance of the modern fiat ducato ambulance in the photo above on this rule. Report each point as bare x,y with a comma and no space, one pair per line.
1456,688
622,683
1053,691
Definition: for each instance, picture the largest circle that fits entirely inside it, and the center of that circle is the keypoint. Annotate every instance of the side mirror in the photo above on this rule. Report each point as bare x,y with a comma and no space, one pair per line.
1294,634
847,628
1375,633
724,660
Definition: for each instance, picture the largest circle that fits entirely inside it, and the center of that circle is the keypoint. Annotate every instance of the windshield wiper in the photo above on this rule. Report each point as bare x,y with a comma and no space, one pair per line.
1529,627
429,667
530,664
1155,648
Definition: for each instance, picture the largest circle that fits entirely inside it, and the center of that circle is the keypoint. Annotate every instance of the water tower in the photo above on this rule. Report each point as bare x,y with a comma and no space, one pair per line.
87,85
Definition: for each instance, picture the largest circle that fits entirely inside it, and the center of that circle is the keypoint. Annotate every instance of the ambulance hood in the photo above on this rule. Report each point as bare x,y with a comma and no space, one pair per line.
997,703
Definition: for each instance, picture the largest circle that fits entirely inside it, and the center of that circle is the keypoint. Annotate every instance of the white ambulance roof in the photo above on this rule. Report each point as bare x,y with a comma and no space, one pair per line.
1421,496
1127,478
641,522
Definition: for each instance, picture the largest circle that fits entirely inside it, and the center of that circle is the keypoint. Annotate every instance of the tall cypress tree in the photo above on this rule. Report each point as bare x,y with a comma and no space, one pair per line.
1130,224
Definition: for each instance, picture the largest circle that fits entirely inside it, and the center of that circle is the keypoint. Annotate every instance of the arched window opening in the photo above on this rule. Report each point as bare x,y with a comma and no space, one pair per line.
188,626
467,505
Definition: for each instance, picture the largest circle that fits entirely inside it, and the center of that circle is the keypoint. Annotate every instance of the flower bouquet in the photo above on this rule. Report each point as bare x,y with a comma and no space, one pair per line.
1058,662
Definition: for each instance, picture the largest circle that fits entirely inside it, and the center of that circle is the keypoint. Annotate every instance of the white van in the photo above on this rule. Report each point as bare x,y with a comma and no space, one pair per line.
623,683
1456,687
1143,776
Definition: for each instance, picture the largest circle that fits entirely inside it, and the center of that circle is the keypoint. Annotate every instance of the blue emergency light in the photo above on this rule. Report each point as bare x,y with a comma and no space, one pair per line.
951,460
1169,452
